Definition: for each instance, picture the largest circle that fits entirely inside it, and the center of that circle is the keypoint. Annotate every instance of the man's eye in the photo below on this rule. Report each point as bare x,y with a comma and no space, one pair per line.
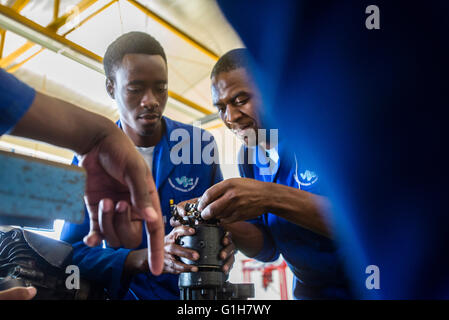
241,101
221,108
162,87
133,89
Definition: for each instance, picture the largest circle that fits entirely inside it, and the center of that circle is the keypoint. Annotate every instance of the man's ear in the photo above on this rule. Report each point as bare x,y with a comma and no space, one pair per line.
110,87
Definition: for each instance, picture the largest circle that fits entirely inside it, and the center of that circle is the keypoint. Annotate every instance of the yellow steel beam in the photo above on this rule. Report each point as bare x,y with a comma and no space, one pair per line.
48,38
14,55
80,50
69,15
90,16
15,67
175,30
218,125
55,9
188,102
57,23
2,41
19,5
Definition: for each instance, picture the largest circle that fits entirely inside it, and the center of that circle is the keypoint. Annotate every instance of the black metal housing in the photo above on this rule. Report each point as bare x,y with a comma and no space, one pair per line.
209,283
30,259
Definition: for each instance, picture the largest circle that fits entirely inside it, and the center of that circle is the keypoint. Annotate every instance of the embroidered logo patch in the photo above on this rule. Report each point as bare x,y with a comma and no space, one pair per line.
183,184
184,181
306,178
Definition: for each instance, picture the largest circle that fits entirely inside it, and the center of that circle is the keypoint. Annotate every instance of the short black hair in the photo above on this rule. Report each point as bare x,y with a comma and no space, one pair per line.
231,60
129,43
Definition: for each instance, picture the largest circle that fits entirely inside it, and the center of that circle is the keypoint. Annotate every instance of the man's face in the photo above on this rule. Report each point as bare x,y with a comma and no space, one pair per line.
238,103
140,90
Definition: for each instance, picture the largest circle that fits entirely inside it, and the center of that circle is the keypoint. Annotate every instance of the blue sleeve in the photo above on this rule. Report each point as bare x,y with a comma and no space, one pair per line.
207,140
103,265
217,174
269,251
245,169
15,99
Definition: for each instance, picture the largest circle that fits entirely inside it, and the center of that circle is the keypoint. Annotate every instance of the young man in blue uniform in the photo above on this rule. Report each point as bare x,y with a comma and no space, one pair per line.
107,155
359,88
277,207
136,70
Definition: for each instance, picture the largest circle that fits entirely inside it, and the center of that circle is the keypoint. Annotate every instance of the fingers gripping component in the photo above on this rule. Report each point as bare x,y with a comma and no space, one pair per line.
192,216
209,283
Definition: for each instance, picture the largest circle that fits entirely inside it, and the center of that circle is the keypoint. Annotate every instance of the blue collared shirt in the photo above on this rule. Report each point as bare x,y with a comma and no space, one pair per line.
313,258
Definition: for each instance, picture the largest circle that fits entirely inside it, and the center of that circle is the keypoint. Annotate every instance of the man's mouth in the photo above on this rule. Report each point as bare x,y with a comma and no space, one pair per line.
148,117
241,130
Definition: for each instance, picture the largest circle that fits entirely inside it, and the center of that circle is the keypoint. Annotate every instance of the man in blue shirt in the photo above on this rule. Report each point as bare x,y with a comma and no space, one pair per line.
359,89
136,70
107,155
277,207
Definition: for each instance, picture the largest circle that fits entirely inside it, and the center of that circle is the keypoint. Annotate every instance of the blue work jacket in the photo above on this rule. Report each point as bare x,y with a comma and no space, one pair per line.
314,259
173,181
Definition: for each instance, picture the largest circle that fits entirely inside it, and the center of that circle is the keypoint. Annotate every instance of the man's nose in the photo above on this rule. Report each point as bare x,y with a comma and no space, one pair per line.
149,100
232,114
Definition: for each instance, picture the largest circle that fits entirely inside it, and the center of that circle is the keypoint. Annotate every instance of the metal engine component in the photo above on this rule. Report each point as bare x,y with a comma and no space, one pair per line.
192,214
30,259
209,283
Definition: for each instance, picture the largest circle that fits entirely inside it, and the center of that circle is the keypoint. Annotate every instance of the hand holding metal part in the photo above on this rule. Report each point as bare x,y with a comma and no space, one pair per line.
215,257
186,214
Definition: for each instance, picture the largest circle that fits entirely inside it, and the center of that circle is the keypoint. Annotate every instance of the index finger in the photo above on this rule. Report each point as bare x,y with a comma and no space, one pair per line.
182,231
217,209
211,194
155,234
94,237
145,198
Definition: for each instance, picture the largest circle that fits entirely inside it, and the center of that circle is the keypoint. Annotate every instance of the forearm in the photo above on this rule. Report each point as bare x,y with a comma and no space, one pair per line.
247,237
300,207
63,124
